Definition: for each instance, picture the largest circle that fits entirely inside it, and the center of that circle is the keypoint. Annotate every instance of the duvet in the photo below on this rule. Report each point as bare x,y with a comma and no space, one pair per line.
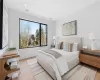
55,61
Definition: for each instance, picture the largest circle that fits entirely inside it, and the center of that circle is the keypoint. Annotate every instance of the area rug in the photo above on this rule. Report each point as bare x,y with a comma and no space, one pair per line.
38,72
80,72
35,67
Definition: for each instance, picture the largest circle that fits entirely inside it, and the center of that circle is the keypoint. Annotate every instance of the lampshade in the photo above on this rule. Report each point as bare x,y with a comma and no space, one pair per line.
54,37
91,36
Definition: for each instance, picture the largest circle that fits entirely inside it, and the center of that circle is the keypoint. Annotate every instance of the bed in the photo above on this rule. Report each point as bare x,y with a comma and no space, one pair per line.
60,63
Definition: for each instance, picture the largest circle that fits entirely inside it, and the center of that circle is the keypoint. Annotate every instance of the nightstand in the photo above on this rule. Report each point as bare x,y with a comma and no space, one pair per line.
5,68
90,57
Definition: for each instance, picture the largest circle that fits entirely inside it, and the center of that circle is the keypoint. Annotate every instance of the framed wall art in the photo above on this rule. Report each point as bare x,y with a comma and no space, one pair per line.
69,28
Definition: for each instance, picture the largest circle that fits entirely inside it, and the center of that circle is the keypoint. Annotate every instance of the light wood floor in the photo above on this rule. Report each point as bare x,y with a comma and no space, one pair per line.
98,75
25,72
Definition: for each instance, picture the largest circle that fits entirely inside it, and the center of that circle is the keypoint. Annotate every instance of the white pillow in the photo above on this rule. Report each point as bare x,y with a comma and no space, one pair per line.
57,46
66,46
75,47
70,47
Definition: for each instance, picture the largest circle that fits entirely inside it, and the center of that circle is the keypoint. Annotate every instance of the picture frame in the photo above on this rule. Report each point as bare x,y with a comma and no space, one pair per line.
69,28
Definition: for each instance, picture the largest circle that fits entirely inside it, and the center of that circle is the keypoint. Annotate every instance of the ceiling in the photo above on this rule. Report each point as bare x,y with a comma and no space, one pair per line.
51,9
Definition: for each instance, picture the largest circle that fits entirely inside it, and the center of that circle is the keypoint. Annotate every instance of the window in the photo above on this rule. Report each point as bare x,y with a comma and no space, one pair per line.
32,34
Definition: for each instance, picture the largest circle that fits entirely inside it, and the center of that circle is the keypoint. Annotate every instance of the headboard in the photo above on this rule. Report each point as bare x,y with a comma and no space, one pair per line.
71,39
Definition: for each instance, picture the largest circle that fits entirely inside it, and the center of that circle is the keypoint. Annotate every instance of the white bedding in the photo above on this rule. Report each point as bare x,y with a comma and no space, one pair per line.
68,56
59,65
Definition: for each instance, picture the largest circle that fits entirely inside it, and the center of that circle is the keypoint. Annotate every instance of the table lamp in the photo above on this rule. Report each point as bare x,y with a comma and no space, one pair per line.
92,38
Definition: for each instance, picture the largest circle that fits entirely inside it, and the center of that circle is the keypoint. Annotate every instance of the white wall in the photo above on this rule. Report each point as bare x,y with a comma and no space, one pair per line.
88,20
14,31
2,51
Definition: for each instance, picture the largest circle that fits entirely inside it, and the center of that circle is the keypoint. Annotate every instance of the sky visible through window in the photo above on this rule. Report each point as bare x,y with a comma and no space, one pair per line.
33,26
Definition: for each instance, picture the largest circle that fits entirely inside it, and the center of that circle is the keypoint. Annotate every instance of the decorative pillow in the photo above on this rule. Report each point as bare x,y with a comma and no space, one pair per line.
65,46
75,47
59,45
68,47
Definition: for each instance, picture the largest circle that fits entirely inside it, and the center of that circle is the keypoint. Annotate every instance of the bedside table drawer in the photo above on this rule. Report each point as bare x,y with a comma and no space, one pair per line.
91,60
90,57
91,63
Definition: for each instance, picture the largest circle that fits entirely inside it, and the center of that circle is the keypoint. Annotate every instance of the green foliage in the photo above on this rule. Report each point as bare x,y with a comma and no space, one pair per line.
43,37
24,37
10,49
37,35
23,42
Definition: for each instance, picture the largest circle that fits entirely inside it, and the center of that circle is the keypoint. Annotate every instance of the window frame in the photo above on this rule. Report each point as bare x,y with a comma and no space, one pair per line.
40,34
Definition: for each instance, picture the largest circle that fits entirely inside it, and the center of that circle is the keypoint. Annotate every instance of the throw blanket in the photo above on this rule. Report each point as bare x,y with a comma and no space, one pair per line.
54,53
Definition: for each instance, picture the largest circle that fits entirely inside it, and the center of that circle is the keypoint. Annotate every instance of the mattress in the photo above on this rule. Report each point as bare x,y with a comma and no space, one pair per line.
73,63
